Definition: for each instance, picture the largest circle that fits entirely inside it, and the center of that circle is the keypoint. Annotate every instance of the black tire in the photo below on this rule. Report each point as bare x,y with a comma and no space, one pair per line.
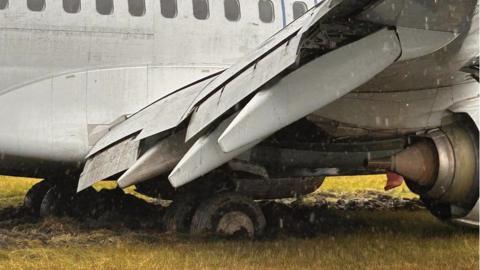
83,202
229,215
33,198
179,214
55,202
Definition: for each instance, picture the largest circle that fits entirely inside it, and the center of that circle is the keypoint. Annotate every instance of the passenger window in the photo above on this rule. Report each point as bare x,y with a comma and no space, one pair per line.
168,8
200,9
136,7
232,10
266,12
104,7
36,5
299,8
3,4
71,6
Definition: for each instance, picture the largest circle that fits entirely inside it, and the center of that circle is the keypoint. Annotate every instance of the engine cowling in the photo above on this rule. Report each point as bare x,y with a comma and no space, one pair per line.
442,166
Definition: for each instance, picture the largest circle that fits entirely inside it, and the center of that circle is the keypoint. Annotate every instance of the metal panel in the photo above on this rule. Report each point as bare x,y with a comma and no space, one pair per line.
400,111
134,124
161,115
68,116
311,87
471,219
156,161
241,86
446,15
204,156
261,51
253,72
115,92
172,110
419,42
470,107
163,81
109,162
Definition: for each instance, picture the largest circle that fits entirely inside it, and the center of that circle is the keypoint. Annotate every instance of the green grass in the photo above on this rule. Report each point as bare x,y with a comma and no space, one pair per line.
355,240
13,190
391,240
350,184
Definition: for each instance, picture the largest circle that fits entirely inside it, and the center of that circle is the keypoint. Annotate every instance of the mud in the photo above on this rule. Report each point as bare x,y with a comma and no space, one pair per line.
112,214
320,212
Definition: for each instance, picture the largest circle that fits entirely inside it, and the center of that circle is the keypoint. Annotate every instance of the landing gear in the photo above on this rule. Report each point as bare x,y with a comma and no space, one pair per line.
225,214
179,213
55,202
229,215
209,206
55,198
33,199
223,203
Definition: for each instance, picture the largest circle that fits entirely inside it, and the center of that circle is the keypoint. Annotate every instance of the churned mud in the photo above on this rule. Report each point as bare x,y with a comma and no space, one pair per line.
114,213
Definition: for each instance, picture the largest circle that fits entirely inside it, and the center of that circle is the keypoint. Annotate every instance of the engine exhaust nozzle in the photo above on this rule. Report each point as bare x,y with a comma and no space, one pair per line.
417,163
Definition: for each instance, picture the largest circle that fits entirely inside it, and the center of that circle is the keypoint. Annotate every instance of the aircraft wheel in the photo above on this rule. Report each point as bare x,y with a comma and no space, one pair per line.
84,202
55,202
229,215
178,216
33,198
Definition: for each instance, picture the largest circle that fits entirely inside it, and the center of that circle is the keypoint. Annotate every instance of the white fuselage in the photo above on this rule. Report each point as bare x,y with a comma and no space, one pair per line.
65,78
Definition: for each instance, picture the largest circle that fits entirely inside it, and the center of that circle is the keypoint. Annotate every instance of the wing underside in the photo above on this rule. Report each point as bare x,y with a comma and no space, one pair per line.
320,57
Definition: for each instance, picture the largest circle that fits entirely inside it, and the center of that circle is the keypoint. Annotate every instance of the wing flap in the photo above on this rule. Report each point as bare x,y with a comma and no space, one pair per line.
204,156
311,87
118,150
158,117
294,72
109,162
264,49
172,111
248,75
159,159
240,87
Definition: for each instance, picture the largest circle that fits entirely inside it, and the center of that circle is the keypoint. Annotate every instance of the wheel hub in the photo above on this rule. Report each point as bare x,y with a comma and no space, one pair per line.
236,223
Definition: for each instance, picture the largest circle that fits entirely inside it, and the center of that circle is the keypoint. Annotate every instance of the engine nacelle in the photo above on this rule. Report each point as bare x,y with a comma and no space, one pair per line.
442,167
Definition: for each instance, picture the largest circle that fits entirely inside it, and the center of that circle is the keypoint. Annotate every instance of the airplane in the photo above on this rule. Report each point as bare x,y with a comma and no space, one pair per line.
217,104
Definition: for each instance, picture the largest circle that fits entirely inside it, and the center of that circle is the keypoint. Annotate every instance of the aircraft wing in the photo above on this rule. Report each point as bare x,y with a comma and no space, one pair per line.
334,48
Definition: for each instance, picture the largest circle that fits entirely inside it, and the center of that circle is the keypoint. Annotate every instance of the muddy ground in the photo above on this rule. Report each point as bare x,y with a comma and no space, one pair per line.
348,224
119,213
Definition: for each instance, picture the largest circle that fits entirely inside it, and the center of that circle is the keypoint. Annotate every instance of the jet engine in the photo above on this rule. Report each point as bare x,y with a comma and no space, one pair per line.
442,167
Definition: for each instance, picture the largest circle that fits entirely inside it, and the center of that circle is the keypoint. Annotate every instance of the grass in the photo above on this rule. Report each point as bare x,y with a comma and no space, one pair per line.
349,184
357,240
393,240
13,190
340,252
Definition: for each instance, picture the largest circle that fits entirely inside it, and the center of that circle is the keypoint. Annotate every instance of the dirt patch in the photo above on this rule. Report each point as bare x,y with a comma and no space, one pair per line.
113,214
